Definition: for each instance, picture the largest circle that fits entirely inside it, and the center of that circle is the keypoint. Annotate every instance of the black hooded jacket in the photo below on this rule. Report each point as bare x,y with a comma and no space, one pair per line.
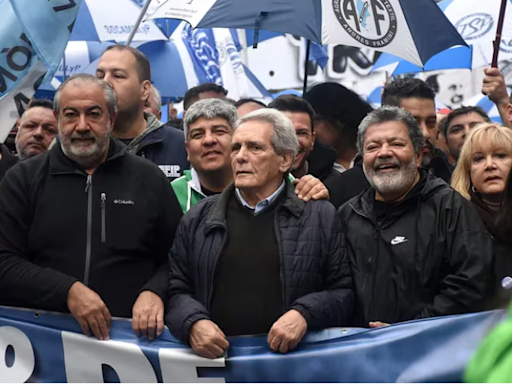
430,254
111,230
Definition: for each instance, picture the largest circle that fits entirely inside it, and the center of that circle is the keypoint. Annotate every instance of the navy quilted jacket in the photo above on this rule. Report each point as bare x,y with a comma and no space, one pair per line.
315,271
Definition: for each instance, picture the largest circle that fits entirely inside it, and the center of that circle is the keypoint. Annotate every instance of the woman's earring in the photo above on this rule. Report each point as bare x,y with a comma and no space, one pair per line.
473,189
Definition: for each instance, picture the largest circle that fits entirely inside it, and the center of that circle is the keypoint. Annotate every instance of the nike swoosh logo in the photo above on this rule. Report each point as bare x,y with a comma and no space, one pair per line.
398,241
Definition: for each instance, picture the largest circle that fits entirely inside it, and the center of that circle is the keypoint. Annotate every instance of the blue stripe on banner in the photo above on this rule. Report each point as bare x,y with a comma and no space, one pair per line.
445,4
283,16
431,31
486,104
50,348
84,29
254,80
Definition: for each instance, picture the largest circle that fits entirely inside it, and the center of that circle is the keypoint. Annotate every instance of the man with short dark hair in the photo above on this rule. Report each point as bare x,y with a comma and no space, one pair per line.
457,127
37,129
245,106
128,71
256,259
201,92
417,247
302,115
87,227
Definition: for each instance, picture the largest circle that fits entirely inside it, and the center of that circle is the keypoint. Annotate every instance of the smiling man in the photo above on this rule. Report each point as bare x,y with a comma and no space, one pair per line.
86,227
418,98
417,248
256,259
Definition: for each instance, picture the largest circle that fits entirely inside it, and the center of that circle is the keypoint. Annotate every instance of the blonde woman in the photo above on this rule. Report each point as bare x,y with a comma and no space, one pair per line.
481,177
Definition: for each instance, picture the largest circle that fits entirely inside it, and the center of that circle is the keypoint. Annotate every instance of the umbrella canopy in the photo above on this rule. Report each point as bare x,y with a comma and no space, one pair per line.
476,21
175,68
112,20
400,27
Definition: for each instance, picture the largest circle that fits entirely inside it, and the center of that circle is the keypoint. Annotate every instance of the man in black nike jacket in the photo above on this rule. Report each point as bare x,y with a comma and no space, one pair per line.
86,227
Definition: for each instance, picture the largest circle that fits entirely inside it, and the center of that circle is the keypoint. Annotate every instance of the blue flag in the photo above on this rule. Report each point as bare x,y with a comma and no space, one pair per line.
318,53
17,56
47,25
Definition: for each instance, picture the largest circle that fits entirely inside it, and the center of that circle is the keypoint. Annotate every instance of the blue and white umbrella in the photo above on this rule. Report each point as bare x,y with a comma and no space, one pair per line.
204,56
400,27
476,21
112,20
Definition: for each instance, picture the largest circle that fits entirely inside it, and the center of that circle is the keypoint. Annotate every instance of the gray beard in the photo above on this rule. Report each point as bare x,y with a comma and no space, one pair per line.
392,182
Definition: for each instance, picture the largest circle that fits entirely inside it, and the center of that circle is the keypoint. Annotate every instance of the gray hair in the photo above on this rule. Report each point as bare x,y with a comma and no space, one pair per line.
283,139
209,109
389,113
83,79
158,98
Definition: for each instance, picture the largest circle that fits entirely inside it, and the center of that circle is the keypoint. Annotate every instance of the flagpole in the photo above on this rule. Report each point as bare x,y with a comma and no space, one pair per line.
499,30
305,87
139,21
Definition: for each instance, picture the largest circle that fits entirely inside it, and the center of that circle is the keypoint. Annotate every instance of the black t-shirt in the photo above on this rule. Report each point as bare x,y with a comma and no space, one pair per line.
126,141
207,192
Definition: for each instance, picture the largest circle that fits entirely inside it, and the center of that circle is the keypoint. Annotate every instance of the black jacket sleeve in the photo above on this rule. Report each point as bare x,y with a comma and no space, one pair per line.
183,310
22,281
469,261
332,307
171,215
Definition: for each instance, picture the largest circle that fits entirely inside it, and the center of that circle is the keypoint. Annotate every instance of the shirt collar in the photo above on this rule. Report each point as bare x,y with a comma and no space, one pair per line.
340,168
263,203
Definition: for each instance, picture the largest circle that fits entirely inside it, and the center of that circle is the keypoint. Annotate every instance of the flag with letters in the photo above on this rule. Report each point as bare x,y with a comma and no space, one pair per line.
33,37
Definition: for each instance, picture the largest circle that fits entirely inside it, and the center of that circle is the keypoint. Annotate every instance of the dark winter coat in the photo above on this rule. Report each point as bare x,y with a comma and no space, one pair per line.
430,255
162,145
111,230
315,273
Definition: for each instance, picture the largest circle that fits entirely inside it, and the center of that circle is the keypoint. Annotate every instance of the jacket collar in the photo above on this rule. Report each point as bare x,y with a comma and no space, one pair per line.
217,215
151,135
427,184
8,159
60,163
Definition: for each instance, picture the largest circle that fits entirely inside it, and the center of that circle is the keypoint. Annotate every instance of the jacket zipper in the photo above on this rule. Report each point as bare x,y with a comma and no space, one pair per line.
88,190
103,208
281,273
214,270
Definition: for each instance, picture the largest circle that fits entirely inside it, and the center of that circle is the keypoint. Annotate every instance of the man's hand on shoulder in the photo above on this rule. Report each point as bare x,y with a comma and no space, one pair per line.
309,187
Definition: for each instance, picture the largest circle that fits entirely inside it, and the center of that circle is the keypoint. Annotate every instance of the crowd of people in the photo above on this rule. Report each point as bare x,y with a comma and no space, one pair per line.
247,219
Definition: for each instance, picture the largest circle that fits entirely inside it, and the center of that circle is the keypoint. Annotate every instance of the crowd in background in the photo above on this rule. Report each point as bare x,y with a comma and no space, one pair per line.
242,218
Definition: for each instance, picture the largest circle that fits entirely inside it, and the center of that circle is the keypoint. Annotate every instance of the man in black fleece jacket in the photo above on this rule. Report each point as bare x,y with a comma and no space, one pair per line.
86,227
